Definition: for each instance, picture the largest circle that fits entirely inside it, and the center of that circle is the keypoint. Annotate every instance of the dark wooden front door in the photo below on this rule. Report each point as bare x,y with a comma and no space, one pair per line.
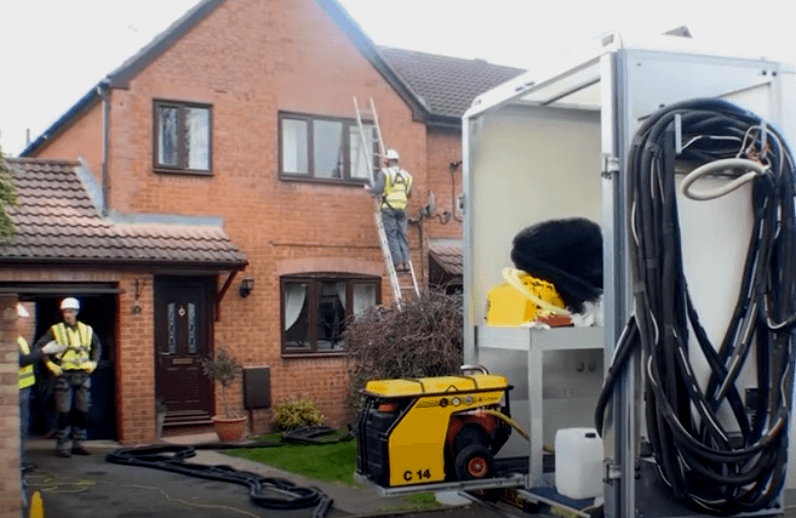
182,338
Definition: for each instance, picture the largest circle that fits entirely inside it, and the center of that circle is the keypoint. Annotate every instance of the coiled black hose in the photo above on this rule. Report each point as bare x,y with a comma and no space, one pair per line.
172,458
706,466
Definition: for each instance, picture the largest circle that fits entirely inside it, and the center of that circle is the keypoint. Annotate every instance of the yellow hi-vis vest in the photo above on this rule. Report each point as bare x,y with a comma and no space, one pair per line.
26,376
78,344
397,186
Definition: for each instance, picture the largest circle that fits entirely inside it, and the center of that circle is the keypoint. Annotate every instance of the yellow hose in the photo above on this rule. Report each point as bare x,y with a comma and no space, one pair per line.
512,276
510,421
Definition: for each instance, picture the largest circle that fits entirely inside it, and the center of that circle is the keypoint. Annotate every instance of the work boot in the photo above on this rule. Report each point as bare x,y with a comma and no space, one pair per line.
64,454
79,449
77,441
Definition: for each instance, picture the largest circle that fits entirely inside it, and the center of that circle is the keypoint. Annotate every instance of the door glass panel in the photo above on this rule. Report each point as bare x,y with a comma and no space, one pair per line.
172,320
191,328
331,315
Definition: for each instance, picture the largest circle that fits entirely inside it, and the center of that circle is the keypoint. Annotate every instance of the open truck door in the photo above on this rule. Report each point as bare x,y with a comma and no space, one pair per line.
555,145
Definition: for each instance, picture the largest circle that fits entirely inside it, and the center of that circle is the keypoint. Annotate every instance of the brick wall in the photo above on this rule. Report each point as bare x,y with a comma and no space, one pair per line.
135,360
249,60
81,139
444,180
10,495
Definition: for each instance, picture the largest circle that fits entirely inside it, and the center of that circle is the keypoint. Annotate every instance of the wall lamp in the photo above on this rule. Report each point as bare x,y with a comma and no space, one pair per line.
246,286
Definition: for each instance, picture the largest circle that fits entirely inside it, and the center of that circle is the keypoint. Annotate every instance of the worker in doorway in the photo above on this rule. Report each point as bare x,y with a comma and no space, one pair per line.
72,368
27,358
394,185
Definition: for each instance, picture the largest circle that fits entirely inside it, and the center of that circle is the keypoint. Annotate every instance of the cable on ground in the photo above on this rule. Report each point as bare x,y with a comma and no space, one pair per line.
285,494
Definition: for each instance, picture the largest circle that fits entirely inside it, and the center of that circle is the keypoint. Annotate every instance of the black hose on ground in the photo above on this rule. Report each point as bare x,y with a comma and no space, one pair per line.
173,458
699,456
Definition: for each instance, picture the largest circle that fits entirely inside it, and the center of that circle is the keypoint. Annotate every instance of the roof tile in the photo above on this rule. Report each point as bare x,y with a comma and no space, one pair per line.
55,220
448,85
448,256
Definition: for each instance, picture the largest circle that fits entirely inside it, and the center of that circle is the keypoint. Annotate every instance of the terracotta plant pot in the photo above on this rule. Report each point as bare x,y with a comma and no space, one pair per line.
230,429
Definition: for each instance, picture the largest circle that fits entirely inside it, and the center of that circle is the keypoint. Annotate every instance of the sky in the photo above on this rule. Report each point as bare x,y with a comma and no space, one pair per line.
53,51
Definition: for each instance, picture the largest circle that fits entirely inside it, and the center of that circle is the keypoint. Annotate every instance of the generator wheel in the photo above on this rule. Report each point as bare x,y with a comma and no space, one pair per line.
474,462
470,434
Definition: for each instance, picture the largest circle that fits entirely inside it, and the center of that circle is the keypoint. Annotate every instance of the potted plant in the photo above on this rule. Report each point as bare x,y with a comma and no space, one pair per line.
225,369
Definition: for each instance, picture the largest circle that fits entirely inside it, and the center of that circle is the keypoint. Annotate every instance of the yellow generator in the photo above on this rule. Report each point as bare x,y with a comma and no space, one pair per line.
427,430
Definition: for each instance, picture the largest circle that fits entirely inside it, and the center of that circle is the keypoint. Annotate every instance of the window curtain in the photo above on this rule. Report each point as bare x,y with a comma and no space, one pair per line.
294,301
364,297
294,146
340,287
361,167
167,136
328,149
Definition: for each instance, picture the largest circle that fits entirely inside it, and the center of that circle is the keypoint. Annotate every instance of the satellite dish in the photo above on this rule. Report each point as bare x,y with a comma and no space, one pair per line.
431,206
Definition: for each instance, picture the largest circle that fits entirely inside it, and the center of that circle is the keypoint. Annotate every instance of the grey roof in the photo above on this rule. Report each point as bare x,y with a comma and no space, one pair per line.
56,221
448,85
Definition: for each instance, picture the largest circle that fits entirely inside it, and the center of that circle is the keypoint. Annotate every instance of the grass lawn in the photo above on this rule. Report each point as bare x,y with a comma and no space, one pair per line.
330,462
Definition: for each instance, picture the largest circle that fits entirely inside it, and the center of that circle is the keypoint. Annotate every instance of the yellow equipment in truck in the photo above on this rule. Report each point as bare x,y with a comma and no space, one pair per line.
420,431
522,299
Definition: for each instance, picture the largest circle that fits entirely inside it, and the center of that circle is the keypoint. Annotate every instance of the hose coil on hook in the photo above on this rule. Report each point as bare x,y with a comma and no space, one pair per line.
735,462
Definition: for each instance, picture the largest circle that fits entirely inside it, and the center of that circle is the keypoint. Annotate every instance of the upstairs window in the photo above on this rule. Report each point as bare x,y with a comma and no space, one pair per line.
315,308
324,148
183,137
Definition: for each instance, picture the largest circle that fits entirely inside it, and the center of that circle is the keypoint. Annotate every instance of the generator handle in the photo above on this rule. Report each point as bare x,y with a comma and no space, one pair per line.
465,368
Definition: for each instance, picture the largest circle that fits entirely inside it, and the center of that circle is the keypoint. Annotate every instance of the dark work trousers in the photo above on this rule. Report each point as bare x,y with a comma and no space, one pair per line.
24,420
72,385
395,227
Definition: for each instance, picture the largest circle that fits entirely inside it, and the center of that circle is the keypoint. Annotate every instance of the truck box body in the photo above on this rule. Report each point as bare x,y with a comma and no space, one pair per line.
554,145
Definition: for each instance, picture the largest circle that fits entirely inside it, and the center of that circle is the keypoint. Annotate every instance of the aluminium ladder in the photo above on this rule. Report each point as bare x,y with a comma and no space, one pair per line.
401,286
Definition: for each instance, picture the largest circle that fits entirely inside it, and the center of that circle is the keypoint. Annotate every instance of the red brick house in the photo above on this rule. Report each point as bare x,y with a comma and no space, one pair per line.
224,151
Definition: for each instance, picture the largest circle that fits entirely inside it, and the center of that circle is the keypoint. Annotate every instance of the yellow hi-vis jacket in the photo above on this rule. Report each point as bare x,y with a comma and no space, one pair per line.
397,186
78,344
26,376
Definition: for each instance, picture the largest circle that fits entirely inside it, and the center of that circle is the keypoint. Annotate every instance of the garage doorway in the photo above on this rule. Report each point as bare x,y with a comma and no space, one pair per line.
100,311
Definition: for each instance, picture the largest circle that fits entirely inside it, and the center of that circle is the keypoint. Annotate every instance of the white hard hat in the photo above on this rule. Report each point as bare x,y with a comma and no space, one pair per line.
70,303
392,154
21,311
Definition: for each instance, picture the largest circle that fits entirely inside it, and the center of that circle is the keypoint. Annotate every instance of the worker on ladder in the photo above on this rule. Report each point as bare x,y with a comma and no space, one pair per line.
394,185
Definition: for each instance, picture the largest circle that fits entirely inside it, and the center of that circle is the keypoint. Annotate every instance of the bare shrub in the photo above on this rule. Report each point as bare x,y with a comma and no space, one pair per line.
424,339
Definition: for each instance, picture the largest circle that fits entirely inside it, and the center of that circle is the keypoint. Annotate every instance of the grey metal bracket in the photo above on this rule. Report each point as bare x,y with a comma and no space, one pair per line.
612,472
609,165
510,480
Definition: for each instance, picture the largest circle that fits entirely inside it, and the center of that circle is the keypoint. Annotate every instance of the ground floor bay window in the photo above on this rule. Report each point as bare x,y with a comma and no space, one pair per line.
315,308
